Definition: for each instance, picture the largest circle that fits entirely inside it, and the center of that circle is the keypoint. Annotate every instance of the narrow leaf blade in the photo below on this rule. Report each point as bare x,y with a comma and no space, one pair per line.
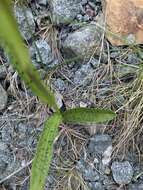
44,152
11,37
87,115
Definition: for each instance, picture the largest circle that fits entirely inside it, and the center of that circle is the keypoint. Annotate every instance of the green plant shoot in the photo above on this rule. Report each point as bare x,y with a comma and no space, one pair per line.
44,152
10,35
87,115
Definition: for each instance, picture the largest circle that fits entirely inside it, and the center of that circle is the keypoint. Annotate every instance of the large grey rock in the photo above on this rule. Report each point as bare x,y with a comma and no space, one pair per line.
83,42
122,172
25,21
3,98
99,144
64,11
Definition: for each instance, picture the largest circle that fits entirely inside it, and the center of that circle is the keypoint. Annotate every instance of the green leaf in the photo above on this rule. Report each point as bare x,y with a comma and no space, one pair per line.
11,37
87,115
44,152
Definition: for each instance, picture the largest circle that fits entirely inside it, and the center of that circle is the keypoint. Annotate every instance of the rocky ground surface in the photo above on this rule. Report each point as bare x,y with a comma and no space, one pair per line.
67,45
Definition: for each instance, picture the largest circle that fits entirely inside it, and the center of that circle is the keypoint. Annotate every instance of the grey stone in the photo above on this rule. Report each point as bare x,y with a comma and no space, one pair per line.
64,11
131,39
42,2
107,181
95,186
24,134
136,187
3,98
92,5
125,70
83,75
3,163
50,182
99,143
88,172
115,54
83,42
94,62
96,1
59,99
109,184
20,134
122,172
25,20
3,72
44,51
25,185
79,17
42,73
6,133
59,84
103,92
106,159
41,53
84,2
86,18
3,146
81,165
6,159
133,59
15,137
105,169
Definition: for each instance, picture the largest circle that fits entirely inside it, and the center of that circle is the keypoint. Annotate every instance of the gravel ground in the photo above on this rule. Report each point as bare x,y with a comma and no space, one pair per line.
71,52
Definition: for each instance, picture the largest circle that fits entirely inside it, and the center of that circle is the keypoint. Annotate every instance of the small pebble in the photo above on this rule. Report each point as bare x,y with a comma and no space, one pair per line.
122,172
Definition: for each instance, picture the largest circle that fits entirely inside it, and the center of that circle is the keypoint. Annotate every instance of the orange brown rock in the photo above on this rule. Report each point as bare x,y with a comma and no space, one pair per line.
124,21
